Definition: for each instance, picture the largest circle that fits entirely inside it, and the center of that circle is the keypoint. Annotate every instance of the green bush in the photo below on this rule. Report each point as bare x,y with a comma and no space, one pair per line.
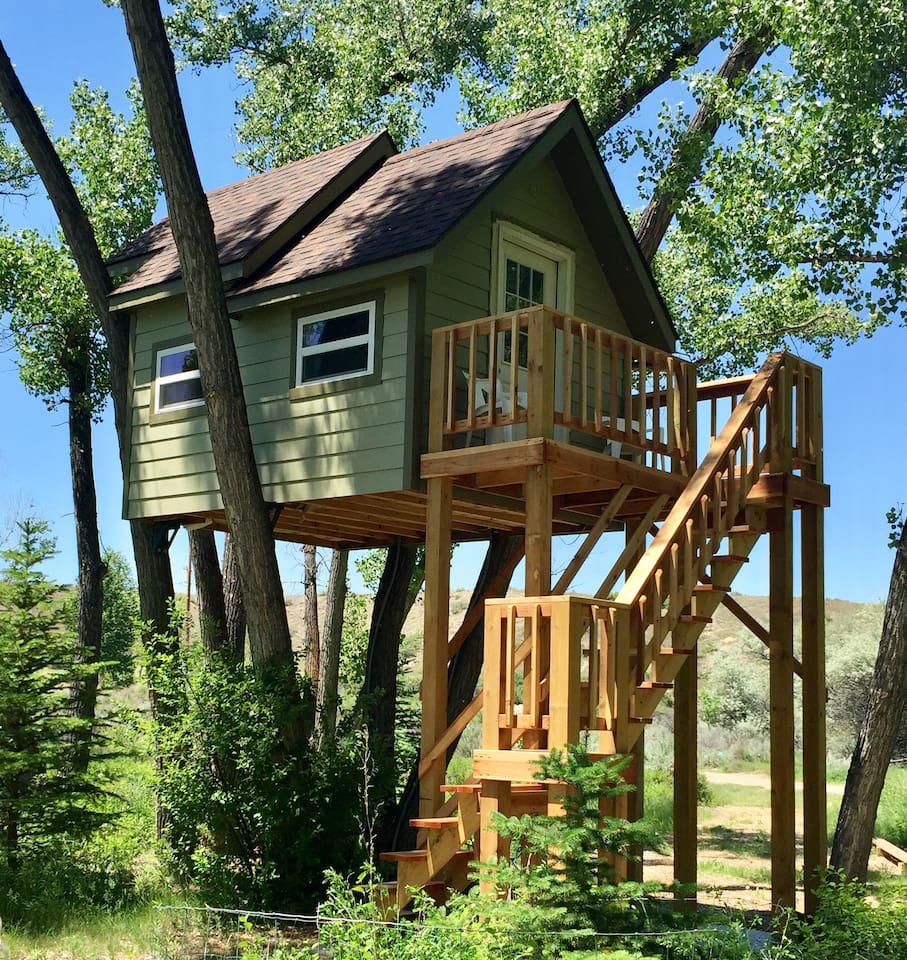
250,822
848,923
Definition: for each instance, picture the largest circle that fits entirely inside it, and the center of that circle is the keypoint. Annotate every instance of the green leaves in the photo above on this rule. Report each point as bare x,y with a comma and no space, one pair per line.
62,354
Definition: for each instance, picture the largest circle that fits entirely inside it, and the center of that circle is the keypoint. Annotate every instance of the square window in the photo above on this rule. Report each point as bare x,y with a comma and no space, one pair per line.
336,345
177,384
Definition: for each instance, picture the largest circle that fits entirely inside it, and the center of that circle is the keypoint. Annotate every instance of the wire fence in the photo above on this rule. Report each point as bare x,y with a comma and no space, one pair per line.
210,933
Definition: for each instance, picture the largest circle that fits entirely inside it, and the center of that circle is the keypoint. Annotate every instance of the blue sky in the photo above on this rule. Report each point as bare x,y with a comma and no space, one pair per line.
54,42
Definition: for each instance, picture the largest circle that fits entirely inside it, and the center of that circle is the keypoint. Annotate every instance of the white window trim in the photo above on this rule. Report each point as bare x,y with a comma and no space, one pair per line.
365,338
504,232
161,380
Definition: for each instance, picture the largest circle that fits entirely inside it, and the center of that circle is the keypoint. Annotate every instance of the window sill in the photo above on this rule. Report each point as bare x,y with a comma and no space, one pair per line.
330,387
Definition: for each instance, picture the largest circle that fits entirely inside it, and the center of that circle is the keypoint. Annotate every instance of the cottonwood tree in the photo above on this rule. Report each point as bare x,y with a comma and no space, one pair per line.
154,576
231,441
769,139
61,352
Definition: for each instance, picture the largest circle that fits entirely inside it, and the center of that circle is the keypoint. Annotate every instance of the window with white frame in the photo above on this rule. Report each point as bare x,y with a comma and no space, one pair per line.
178,384
336,345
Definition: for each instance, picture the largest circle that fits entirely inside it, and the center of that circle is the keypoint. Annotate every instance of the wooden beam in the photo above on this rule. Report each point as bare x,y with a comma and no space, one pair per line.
755,627
781,721
475,613
815,838
686,760
538,531
434,655
592,538
632,548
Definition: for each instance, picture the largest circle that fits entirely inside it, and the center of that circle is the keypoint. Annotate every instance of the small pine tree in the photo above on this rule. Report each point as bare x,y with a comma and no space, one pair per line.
42,795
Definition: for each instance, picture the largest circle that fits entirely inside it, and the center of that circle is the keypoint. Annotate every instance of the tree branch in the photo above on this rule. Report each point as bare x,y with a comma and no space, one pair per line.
685,165
634,94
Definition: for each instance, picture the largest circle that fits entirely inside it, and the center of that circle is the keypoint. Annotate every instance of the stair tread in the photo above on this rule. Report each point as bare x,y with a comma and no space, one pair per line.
395,856
710,588
654,685
433,823
730,558
675,651
640,719
693,618
461,788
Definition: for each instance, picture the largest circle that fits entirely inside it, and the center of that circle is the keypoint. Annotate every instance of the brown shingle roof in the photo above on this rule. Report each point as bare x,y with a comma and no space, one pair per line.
244,214
407,204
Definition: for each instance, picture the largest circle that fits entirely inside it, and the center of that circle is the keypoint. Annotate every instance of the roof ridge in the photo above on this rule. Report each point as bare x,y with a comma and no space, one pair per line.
553,109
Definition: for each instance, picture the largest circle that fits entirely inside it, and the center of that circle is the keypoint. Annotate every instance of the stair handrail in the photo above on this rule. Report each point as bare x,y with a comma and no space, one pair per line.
661,584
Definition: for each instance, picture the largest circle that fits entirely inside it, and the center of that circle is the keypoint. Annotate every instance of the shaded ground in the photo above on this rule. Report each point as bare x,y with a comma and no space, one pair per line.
735,844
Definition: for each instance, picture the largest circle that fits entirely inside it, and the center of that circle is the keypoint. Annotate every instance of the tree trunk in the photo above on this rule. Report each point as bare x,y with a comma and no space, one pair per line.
312,633
234,608
153,574
878,733
379,687
231,441
88,549
501,558
212,614
331,636
685,165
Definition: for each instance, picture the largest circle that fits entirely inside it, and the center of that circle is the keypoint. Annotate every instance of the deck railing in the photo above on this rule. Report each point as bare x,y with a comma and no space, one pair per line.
566,379
550,671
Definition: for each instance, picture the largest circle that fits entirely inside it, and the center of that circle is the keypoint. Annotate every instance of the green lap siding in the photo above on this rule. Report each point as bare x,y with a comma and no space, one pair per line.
341,441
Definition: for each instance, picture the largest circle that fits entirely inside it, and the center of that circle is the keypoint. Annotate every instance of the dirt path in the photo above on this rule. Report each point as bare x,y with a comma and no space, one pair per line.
762,780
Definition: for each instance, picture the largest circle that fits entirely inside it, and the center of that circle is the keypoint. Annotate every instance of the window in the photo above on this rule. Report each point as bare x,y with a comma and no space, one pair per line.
528,270
336,345
178,384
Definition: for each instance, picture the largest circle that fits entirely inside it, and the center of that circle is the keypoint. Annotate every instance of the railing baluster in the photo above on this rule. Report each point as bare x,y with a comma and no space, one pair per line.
598,413
583,373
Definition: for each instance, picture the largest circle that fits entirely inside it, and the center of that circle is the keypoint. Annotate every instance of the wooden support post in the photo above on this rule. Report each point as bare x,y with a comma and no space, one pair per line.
781,700
686,762
434,657
815,830
538,531
636,803
494,798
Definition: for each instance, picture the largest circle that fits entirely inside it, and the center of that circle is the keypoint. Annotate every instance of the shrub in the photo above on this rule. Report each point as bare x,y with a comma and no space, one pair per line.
248,821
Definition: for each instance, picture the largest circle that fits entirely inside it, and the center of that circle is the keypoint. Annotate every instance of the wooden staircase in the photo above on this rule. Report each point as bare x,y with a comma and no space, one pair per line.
561,668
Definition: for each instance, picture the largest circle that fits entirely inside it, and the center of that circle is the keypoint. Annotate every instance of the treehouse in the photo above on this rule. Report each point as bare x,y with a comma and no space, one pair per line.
464,338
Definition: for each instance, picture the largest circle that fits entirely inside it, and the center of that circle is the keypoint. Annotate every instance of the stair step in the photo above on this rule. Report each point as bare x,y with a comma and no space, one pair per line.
729,558
746,530
461,788
654,685
710,588
433,823
693,618
643,720
404,856
675,652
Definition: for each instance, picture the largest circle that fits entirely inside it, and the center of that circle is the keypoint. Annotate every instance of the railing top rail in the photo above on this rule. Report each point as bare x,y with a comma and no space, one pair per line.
559,319
728,387
701,483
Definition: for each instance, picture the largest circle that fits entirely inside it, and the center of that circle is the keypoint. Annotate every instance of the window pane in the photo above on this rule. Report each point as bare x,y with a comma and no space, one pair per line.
511,302
336,363
182,391
538,286
511,281
524,286
335,328
179,362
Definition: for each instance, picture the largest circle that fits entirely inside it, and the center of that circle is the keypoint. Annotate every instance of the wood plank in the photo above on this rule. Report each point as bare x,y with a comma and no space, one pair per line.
686,762
592,538
814,694
434,647
781,727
